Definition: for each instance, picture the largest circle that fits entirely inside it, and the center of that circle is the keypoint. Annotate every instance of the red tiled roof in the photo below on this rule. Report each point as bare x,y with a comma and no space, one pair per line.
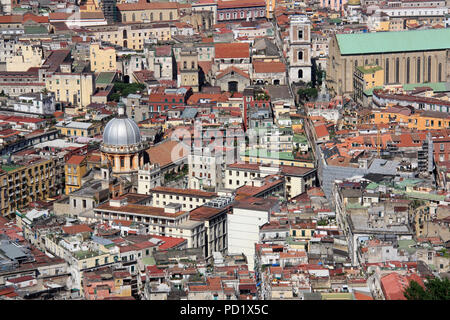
321,131
394,284
20,279
144,5
240,4
232,50
75,159
77,229
269,67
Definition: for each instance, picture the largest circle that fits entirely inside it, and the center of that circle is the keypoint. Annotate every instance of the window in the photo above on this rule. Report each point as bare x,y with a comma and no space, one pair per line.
300,55
397,70
386,74
300,74
429,69
408,67
300,34
418,70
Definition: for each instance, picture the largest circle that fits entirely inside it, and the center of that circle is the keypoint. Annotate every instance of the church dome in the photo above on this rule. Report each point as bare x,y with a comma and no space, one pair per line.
121,131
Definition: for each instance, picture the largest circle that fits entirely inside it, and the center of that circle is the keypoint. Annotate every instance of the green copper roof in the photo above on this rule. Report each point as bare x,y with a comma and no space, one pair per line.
105,77
398,41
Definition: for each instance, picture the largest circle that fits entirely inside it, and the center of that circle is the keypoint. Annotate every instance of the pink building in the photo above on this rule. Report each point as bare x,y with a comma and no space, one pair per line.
336,5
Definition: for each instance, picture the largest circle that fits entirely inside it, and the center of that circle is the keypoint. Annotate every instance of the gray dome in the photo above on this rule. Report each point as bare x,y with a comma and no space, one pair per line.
121,131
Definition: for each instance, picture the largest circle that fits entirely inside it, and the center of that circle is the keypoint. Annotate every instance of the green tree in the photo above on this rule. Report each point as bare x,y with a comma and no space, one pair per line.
305,94
435,289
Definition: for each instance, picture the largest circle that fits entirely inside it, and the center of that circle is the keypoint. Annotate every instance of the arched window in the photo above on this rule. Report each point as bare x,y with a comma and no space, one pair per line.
133,17
377,62
151,16
300,55
397,70
124,17
171,16
408,69
429,69
366,62
418,70
192,65
356,63
185,64
160,16
300,74
386,71
440,72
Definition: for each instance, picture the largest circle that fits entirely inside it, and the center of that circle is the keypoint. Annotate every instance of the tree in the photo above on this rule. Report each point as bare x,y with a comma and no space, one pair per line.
307,93
435,289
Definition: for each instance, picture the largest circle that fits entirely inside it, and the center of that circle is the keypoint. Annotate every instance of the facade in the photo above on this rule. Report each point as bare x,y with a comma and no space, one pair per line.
189,199
364,78
36,103
143,12
103,59
75,169
74,88
236,10
78,129
244,223
406,57
29,181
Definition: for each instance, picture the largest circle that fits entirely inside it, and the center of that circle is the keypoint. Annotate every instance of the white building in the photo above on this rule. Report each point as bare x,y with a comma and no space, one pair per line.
244,224
206,168
36,103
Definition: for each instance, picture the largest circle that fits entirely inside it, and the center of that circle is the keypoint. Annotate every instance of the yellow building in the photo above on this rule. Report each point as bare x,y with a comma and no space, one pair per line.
270,8
302,231
384,26
189,69
366,77
78,129
143,11
75,168
420,120
28,181
74,88
132,36
102,59
24,56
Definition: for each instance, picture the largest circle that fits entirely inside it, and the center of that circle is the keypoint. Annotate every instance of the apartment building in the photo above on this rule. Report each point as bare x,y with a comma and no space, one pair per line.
132,36
78,129
75,169
19,56
206,167
36,103
103,59
243,225
27,181
168,221
74,88
297,179
189,199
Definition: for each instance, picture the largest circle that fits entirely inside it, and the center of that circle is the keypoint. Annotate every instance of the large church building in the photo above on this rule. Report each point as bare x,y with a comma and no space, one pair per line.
406,57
